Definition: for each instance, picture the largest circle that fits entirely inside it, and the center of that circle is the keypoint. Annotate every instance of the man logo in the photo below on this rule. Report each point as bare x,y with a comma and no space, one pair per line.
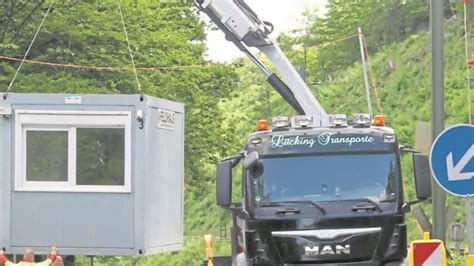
327,250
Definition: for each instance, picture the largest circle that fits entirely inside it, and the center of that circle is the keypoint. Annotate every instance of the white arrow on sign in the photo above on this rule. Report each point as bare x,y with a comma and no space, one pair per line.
454,171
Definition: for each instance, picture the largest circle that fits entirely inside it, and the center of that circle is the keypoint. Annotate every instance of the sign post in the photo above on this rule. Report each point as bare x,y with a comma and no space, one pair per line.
470,231
452,165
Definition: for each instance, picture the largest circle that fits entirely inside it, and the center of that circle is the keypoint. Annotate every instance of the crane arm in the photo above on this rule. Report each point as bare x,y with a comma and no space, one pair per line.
244,29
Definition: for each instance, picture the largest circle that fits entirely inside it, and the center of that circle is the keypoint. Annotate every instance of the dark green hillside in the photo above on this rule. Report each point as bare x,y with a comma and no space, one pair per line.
223,102
163,35
404,95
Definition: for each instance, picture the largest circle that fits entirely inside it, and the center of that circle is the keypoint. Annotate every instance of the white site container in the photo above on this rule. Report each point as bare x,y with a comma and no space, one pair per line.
91,174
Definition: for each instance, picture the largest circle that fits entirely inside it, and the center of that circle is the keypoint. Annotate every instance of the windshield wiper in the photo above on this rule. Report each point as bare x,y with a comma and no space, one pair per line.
315,204
375,205
281,211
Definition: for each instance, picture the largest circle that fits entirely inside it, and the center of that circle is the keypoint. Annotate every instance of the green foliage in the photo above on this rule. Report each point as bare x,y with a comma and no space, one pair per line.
192,254
382,22
404,93
223,102
457,260
404,90
161,35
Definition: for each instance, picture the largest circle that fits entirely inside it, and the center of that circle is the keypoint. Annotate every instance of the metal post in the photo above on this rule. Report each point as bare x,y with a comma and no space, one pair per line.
234,240
469,226
364,67
437,109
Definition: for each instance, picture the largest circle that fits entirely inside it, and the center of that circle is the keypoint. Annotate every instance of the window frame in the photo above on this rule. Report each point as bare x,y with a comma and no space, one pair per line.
70,121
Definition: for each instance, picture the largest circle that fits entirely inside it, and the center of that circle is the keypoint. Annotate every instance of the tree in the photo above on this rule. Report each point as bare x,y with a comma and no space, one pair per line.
382,22
165,35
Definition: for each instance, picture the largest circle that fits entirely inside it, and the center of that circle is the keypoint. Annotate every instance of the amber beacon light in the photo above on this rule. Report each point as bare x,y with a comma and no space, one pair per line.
262,125
379,121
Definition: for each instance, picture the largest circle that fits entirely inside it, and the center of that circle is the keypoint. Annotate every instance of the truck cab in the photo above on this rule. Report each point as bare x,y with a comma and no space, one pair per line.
317,189
315,195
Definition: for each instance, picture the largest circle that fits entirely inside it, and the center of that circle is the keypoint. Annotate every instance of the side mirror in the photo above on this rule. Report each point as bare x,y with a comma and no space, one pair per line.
404,149
421,169
250,160
224,183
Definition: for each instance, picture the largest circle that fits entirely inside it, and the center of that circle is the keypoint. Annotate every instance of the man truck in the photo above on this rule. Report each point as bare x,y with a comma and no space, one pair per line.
320,194
316,188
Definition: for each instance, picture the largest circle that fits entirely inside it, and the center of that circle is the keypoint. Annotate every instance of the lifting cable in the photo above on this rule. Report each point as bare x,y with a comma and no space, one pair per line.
129,48
355,99
335,41
135,68
28,50
107,68
468,62
371,74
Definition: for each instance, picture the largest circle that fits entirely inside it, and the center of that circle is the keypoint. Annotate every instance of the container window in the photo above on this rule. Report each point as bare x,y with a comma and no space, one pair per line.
100,156
48,166
72,151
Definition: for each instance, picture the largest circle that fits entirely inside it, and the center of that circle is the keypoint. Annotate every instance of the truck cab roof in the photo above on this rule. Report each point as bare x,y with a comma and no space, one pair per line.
344,139
318,130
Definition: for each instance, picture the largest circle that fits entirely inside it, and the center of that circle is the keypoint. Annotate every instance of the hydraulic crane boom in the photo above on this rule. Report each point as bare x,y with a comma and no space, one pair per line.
242,27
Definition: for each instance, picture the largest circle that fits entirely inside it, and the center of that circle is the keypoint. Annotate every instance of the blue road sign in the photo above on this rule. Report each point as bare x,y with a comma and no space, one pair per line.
452,160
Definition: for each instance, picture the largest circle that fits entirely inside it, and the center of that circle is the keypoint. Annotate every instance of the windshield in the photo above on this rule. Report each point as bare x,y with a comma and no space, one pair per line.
327,178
